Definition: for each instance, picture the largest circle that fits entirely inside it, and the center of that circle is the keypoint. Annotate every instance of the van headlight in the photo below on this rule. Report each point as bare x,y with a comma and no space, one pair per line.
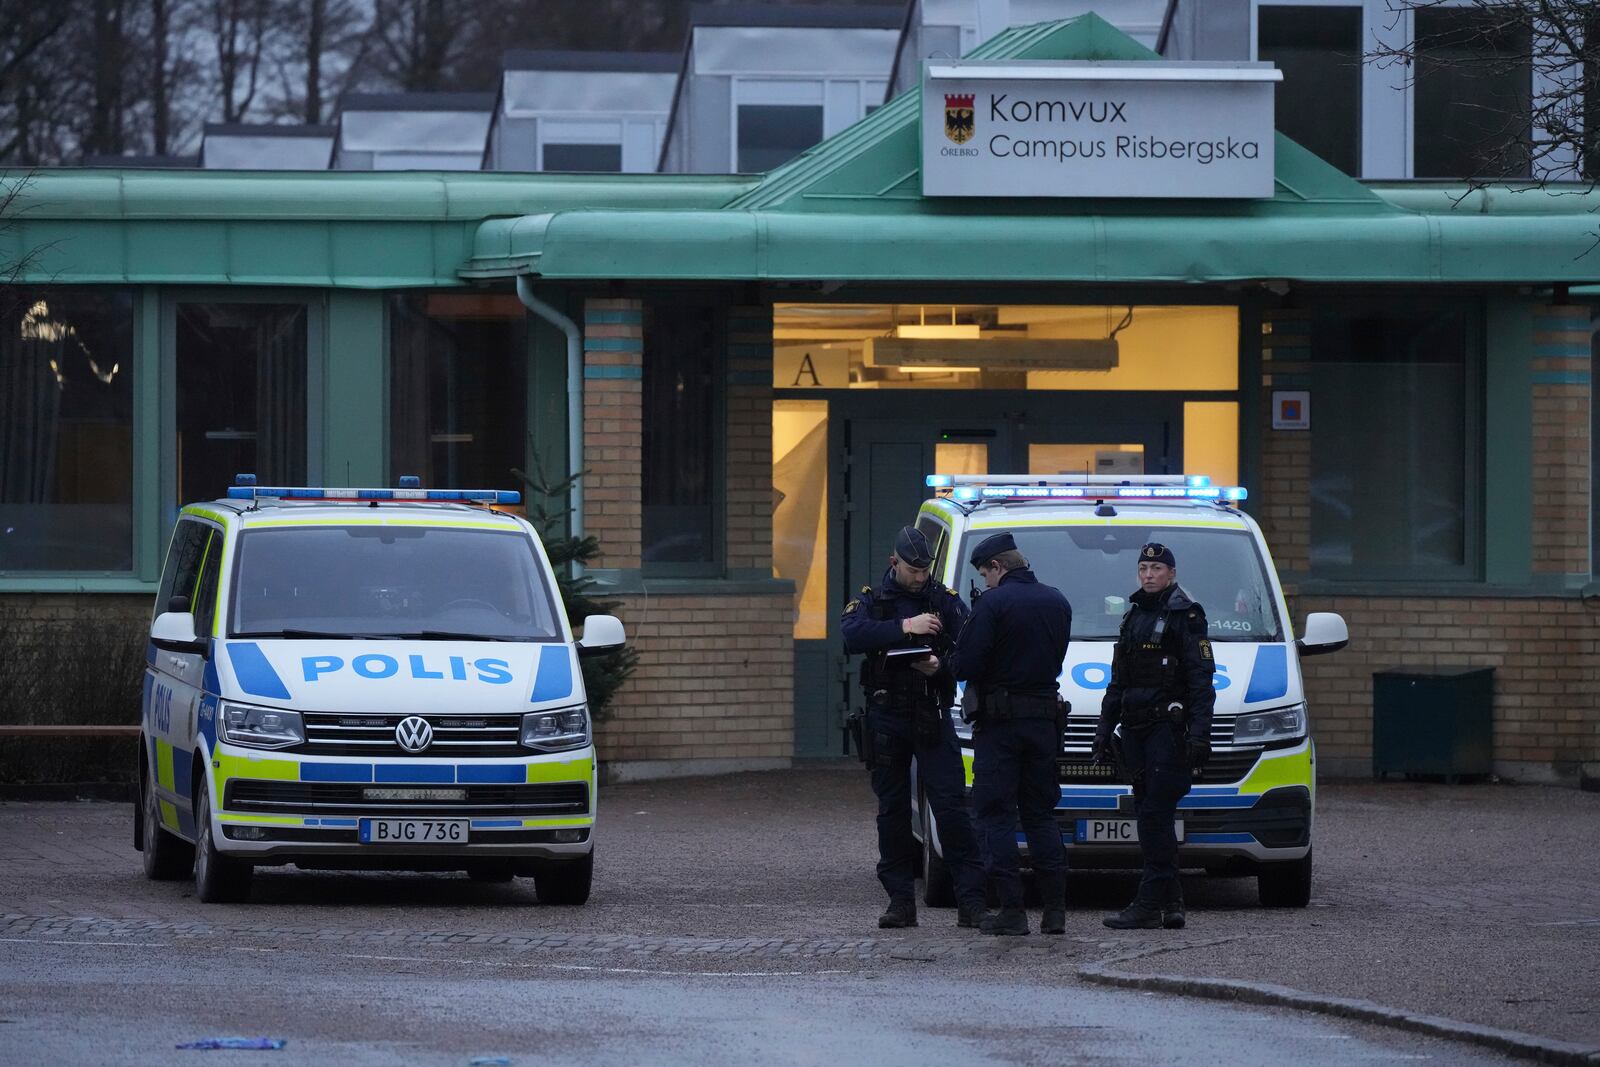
1284,724
557,729
244,724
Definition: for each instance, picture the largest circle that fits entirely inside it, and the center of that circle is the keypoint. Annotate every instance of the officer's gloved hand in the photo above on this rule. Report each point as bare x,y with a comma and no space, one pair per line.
1100,754
1199,750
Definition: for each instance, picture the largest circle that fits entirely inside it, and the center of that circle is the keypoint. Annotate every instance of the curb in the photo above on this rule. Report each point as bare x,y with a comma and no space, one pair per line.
56,792
1512,1042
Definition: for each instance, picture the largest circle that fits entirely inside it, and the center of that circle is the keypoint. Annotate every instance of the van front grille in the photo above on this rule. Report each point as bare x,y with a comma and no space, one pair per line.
359,798
332,734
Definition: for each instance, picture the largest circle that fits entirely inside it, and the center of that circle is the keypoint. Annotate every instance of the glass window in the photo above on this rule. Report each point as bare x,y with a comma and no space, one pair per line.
1473,96
1097,569
184,556
205,593
772,134
585,158
458,388
1319,100
391,581
66,429
800,509
680,416
241,396
1389,461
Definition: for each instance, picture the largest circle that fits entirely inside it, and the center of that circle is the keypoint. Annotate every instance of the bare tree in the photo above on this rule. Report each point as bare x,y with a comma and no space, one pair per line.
1513,79
324,43
33,29
242,30
415,43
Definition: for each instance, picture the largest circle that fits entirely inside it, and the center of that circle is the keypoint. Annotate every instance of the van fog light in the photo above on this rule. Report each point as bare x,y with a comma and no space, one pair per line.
247,833
566,837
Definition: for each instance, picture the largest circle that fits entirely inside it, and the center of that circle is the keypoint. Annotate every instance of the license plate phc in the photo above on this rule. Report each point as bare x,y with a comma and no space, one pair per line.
1114,831
413,831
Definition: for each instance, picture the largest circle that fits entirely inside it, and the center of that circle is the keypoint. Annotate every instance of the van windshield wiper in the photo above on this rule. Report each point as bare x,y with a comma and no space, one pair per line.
305,634
453,635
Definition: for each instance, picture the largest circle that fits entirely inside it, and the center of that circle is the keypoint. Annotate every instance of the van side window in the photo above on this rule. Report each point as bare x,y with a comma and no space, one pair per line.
938,536
204,604
183,563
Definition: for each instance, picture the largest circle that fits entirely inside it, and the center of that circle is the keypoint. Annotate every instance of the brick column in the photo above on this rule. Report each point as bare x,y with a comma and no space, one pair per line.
1561,440
749,452
1285,509
613,427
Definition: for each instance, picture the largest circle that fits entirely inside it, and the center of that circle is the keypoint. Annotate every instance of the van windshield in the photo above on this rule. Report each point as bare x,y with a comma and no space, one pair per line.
1096,568
415,582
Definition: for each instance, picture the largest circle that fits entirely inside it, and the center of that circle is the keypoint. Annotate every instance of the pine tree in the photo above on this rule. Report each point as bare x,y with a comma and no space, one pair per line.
547,510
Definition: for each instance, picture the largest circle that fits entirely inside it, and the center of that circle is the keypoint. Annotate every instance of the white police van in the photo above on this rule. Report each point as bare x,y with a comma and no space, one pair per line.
365,679
1251,810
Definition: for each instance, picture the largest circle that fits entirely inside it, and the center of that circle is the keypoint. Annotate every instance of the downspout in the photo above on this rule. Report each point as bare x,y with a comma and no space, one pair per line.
574,400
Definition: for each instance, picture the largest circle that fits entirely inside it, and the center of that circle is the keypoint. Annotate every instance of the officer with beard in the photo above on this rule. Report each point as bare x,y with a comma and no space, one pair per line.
1161,693
908,696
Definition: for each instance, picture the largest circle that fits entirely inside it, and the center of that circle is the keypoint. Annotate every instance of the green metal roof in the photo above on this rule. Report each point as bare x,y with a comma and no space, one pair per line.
850,208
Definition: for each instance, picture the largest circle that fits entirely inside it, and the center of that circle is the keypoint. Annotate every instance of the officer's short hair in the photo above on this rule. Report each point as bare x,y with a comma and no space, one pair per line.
1012,560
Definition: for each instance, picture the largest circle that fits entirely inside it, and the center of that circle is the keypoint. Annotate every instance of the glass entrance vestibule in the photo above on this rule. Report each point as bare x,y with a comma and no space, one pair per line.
869,398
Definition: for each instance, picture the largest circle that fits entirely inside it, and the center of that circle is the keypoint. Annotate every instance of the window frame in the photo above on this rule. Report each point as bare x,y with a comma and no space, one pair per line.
822,91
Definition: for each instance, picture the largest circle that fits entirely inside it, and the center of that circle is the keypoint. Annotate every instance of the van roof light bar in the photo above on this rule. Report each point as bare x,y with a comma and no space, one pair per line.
247,489
970,488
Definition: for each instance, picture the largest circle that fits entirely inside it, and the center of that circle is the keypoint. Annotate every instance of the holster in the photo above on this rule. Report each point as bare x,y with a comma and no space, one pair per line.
855,730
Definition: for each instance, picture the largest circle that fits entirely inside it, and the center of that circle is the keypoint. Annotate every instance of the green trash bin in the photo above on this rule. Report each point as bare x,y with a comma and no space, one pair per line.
1433,721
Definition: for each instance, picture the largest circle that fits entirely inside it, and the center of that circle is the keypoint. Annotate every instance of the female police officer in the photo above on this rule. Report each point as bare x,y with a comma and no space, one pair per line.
1161,694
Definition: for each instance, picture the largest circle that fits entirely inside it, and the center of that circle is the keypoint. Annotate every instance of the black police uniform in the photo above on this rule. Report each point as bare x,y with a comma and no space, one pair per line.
1012,651
907,716
1162,695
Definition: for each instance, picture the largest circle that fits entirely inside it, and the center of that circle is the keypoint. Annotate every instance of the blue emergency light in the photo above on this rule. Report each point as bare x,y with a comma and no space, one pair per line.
968,488
245,488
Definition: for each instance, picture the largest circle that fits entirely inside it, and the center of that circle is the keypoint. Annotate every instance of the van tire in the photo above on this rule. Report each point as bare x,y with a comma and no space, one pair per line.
564,881
167,857
938,888
217,878
1285,885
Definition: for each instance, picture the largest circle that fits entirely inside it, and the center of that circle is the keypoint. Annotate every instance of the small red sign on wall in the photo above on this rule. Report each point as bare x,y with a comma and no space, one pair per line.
1291,409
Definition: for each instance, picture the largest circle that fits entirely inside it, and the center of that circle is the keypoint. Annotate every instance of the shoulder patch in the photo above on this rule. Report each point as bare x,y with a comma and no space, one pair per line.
866,590
853,605
1205,649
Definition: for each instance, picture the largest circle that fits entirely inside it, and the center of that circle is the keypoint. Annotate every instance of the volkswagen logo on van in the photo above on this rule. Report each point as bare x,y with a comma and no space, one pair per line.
413,733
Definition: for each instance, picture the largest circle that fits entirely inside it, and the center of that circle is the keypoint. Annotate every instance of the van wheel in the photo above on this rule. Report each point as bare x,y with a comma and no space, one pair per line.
167,857
1285,885
564,881
938,888
217,879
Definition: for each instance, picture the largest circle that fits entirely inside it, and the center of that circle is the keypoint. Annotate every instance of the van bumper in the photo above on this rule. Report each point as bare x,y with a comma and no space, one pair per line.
274,807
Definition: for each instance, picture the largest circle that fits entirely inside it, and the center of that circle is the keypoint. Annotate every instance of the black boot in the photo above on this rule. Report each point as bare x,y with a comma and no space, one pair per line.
899,913
1172,916
1053,898
970,915
1136,916
1008,921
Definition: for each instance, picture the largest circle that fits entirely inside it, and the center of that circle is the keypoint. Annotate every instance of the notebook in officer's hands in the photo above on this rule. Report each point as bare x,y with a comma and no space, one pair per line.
909,655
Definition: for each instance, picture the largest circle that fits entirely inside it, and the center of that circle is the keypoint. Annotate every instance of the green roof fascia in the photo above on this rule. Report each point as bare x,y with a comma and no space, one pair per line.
1169,242
879,159
371,230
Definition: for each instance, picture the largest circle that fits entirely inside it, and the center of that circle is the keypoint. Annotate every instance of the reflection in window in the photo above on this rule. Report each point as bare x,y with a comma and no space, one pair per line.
457,396
770,135
241,396
1319,100
66,429
800,509
1388,441
583,158
1473,94
680,415
1122,459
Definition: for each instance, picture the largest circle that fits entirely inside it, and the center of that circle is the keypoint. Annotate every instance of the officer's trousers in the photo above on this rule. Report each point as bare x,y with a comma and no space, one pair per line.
1014,779
1159,759
943,779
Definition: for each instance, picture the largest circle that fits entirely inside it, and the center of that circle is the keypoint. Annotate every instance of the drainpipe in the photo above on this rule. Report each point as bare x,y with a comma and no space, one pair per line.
574,399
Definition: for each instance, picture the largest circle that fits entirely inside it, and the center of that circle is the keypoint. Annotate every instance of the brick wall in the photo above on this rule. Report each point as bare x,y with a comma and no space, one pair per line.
613,371
715,680
749,452
1561,440
1285,491
1546,655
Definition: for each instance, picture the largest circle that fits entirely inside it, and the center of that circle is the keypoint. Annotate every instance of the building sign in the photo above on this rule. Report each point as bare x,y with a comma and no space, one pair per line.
1291,409
810,367
1098,129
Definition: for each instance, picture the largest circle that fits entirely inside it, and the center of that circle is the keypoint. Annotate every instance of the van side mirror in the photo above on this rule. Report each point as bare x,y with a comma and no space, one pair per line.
174,631
601,634
1325,632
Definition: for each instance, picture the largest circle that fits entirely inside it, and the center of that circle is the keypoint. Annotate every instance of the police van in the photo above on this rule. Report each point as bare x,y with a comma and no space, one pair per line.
1251,810
365,679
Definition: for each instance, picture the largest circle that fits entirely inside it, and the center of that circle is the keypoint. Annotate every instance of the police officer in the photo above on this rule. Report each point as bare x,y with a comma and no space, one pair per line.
1161,694
908,697
1011,653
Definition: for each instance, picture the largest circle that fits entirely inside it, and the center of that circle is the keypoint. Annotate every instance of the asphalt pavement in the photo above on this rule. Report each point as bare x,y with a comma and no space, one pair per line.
735,916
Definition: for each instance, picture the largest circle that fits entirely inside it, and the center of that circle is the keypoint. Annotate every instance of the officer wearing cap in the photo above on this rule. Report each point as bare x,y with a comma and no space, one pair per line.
1010,655
1161,694
908,697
